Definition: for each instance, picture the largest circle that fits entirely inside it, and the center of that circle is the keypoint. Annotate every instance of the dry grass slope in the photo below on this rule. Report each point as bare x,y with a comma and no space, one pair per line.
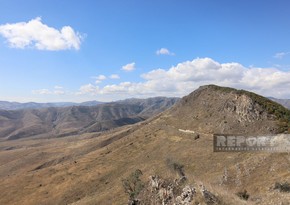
89,168
59,122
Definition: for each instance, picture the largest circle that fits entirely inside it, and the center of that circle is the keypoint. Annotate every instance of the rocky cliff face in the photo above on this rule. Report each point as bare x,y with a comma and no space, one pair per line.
245,109
214,109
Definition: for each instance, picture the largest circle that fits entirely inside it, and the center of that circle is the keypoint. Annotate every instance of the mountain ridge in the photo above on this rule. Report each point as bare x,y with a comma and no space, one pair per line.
7,105
221,109
63,121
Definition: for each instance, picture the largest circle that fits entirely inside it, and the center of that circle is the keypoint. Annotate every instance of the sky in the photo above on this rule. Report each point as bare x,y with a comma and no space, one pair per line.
106,50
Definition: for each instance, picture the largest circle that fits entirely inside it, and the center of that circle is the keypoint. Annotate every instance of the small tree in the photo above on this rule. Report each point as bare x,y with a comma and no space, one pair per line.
133,184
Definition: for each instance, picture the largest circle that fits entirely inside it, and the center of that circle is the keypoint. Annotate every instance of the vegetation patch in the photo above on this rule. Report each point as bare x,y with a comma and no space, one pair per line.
243,195
282,187
175,166
133,184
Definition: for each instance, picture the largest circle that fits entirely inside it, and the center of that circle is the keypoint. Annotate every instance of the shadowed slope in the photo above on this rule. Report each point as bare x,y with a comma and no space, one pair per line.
58,122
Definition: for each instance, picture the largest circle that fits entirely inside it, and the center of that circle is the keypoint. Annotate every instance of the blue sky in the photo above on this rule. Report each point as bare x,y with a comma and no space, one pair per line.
109,50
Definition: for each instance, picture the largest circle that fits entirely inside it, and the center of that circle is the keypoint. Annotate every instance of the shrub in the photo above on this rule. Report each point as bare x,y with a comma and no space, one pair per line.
179,168
133,184
243,195
283,187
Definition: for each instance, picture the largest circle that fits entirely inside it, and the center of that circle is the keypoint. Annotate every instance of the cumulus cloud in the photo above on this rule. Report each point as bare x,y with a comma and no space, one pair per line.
58,90
164,51
99,78
88,89
114,76
281,55
58,87
129,67
123,87
187,76
41,92
37,35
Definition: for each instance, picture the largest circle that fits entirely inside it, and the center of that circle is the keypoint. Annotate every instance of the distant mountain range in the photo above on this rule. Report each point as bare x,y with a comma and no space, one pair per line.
47,122
284,102
6,105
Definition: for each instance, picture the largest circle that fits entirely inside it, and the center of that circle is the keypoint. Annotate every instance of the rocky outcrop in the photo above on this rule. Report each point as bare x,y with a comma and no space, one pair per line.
245,109
187,196
168,192
210,199
213,109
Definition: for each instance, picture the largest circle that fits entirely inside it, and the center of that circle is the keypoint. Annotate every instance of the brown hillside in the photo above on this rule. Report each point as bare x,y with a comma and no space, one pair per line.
89,169
214,109
59,122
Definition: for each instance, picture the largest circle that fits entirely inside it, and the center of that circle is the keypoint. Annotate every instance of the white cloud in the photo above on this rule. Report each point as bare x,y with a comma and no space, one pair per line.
114,76
41,92
37,35
123,87
129,67
281,55
99,78
164,51
58,90
187,76
57,87
88,89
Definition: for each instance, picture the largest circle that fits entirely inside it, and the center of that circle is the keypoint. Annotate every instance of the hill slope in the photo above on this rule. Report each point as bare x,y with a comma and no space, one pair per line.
214,109
90,168
52,122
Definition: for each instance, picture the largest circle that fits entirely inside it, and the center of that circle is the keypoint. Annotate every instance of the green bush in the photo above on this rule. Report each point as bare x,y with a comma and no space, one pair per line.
133,184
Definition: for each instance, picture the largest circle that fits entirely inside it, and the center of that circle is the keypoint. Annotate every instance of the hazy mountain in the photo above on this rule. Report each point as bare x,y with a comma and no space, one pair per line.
89,103
284,102
5,105
173,165
62,121
150,105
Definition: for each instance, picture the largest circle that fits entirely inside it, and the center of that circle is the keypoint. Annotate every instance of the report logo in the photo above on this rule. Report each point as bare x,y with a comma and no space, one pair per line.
240,143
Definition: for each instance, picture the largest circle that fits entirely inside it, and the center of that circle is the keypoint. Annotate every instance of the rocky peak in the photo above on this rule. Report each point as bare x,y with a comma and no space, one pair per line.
215,109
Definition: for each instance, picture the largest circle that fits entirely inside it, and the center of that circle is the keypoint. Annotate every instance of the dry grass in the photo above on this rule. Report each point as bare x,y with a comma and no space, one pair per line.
89,168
